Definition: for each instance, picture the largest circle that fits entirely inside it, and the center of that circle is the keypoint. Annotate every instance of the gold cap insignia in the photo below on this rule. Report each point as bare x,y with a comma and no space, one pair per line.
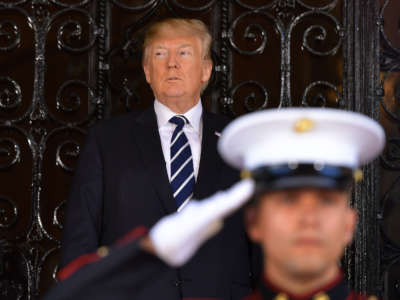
372,298
358,175
244,174
321,296
281,297
304,125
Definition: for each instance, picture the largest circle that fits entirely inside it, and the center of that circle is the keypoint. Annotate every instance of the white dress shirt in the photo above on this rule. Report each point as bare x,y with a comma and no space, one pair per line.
193,132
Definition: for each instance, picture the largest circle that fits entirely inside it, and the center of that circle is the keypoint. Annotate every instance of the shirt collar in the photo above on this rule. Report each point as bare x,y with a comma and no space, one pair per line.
164,113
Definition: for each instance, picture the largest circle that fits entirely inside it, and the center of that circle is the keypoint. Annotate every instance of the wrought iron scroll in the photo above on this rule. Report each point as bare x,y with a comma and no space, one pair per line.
286,16
389,95
27,126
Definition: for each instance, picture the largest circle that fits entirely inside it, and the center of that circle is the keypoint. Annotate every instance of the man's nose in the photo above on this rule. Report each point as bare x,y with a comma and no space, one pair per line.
173,61
309,211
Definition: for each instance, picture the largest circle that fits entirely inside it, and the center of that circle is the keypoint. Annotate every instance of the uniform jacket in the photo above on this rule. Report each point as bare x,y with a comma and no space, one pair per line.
335,290
121,183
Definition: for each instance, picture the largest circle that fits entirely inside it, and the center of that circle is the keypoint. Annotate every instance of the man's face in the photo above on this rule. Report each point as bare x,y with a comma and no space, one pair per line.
175,67
302,231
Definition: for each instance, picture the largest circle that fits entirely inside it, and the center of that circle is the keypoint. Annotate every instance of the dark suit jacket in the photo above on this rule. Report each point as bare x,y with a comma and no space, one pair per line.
121,183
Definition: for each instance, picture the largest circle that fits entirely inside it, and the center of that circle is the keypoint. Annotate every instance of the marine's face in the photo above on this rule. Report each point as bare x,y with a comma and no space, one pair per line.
303,232
175,67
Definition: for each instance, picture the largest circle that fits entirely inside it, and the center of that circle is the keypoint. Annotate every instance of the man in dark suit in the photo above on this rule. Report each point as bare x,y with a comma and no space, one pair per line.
137,168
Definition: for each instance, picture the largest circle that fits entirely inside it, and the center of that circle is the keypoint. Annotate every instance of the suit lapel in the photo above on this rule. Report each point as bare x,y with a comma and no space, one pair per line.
209,160
148,140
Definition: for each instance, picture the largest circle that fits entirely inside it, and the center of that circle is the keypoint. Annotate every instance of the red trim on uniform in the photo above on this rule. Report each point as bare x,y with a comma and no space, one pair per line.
89,258
132,235
324,288
76,264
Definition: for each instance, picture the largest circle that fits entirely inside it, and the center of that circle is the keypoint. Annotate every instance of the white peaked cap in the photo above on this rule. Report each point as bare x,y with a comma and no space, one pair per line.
301,135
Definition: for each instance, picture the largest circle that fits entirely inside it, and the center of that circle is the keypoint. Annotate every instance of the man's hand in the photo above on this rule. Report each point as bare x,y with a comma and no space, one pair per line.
176,238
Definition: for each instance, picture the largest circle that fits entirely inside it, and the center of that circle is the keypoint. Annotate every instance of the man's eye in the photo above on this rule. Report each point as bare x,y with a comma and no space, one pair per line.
159,53
184,52
327,199
288,199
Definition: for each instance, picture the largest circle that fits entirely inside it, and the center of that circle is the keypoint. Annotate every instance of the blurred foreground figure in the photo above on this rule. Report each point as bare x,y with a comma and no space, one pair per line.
130,268
304,161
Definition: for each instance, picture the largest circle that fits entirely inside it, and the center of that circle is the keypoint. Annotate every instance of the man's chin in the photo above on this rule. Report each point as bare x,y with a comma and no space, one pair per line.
310,265
174,94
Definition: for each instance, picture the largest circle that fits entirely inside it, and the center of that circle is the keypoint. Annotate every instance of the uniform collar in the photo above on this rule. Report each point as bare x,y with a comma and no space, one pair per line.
333,290
164,113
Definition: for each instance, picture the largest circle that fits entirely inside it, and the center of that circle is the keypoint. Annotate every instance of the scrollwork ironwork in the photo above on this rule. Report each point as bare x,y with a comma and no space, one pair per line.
199,8
390,59
391,253
148,4
59,214
388,92
52,251
78,4
254,30
391,109
10,149
73,152
8,212
71,31
13,4
128,95
11,96
322,6
261,7
391,156
386,41
320,100
322,32
9,31
74,99
250,101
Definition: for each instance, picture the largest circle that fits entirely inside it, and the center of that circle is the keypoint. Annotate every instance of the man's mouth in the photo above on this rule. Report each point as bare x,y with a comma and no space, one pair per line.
308,242
173,78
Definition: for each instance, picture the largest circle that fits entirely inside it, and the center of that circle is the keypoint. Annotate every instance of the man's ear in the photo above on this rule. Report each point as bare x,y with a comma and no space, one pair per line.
145,66
207,69
251,223
351,222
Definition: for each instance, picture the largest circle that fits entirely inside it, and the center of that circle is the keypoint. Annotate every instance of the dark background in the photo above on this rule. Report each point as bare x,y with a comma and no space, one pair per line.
66,64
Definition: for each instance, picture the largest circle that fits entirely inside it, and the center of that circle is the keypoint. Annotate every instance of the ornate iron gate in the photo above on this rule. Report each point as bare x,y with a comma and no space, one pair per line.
65,64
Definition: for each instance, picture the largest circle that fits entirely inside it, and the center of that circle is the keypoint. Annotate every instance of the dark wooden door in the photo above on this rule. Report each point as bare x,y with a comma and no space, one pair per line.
66,64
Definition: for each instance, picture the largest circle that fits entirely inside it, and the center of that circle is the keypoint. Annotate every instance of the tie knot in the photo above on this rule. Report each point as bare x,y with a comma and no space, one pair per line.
179,120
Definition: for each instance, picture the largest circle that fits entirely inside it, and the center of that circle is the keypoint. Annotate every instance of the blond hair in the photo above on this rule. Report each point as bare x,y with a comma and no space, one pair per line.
192,26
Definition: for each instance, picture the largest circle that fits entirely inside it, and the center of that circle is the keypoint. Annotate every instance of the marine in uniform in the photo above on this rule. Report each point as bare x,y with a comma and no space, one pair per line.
304,162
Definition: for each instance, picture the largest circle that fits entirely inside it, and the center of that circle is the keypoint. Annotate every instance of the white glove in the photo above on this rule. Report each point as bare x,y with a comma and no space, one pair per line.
177,237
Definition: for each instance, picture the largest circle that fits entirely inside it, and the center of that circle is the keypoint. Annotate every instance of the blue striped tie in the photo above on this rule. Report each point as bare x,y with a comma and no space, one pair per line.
182,172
